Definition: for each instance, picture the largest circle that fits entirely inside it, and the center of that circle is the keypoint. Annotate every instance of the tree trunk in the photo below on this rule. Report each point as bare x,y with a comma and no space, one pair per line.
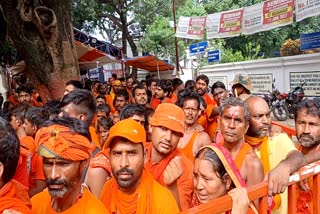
42,32
134,50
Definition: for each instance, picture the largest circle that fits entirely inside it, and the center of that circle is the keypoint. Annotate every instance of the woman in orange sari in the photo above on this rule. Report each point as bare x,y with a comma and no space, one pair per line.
215,175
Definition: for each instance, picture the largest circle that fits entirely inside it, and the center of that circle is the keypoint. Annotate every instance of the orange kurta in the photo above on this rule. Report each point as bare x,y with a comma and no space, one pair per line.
22,172
184,183
87,204
154,102
28,143
109,101
36,170
148,198
210,124
94,137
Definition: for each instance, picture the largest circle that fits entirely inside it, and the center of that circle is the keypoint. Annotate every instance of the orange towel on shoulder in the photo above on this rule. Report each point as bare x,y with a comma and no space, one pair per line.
14,197
184,183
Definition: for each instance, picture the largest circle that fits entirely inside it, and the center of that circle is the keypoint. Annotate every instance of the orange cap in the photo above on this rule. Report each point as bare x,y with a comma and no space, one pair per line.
129,129
170,116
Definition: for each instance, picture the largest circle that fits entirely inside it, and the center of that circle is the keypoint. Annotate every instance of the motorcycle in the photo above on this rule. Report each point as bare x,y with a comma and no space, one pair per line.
275,101
292,98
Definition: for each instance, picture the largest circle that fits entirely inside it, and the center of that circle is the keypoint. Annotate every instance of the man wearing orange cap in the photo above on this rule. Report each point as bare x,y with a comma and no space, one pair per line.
132,189
63,143
13,196
169,166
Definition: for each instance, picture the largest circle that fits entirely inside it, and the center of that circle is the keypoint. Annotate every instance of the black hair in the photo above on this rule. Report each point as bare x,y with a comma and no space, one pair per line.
203,77
37,116
105,122
130,110
102,97
74,124
150,81
190,84
311,106
176,82
76,83
9,150
139,86
216,85
19,112
114,75
103,108
166,85
53,107
185,95
27,89
83,100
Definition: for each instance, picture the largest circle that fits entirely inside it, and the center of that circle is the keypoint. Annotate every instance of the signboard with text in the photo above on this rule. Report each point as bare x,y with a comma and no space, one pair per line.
261,82
223,79
198,48
309,41
312,78
214,56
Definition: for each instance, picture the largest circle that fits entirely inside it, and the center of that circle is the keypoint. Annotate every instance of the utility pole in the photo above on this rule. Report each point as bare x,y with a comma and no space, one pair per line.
175,39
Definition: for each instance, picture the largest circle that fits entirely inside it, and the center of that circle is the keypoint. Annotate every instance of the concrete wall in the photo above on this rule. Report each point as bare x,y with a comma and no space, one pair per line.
287,72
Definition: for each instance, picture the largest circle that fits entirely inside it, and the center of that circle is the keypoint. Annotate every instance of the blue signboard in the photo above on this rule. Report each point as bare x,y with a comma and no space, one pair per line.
198,48
309,41
214,56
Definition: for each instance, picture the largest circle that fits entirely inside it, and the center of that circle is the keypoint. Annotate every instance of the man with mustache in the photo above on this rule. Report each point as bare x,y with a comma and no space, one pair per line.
168,165
270,150
132,189
208,117
139,94
307,120
63,143
194,135
164,91
234,123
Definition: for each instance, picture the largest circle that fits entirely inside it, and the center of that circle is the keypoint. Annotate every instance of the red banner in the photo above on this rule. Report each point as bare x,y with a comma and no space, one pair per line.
230,22
196,25
277,12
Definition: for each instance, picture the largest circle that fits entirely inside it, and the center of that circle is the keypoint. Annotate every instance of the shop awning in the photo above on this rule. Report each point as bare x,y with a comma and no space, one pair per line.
149,63
88,57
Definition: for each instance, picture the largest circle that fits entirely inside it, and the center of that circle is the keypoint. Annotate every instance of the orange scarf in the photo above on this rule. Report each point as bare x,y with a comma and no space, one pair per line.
264,157
140,202
157,169
264,150
15,197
